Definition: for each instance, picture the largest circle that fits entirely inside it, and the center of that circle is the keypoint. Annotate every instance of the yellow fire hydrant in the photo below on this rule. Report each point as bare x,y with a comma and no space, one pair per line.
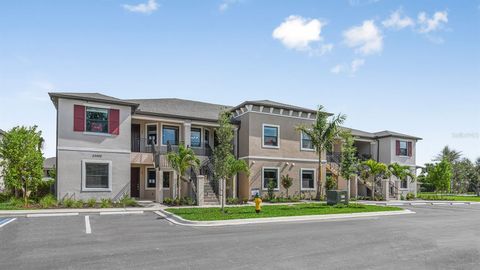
258,204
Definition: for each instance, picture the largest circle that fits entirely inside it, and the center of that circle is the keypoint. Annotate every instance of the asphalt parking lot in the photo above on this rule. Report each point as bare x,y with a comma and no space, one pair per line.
436,237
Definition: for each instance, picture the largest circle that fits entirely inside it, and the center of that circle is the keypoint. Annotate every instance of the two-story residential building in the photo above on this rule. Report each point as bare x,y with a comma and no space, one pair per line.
110,147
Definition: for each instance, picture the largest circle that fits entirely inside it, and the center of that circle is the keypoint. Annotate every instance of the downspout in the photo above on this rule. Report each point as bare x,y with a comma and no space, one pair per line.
56,156
378,150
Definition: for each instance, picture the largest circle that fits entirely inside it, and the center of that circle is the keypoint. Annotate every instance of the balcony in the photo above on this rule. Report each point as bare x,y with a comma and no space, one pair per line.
142,146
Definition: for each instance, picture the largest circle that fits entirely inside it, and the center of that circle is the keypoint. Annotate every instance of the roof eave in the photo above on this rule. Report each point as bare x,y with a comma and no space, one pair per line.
54,96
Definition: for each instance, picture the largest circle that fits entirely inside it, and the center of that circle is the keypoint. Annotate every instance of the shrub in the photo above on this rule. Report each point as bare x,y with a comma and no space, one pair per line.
127,201
92,202
410,196
4,197
48,201
270,189
402,197
68,203
232,201
245,200
187,201
168,201
78,204
287,182
15,202
44,188
331,183
106,203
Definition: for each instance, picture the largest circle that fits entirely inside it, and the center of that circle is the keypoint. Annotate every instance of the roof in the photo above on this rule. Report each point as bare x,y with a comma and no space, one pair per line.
381,134
91,97
180,108
49,163
271,103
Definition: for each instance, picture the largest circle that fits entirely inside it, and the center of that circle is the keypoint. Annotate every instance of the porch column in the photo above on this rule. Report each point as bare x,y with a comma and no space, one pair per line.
174,188
186,133
386,188
159,189
355,185
200,192
234,187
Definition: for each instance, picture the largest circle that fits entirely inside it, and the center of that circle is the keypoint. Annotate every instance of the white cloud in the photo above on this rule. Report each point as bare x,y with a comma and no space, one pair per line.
226,4
366,38
352,68
396,21
356,64
298,33
434,23
145,8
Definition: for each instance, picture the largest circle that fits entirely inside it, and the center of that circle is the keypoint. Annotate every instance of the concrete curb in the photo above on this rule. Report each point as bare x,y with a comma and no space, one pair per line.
46,212
177,220
414,203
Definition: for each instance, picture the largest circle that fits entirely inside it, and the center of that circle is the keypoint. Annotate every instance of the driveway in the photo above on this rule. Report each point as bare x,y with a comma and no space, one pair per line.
437,237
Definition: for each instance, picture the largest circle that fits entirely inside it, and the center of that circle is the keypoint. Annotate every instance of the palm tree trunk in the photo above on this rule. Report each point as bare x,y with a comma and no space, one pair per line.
178,187
319,184
373,189
222,183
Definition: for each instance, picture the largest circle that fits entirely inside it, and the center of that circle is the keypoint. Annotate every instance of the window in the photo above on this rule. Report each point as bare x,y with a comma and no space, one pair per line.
96,120
166,180
403,148
270,136
196,137
308,179
151,178
152,134
170,135
306,142
270,174
404,183
96,175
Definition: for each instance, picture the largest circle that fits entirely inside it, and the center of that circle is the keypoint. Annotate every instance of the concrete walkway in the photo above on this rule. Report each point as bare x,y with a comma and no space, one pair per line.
177,220
416,202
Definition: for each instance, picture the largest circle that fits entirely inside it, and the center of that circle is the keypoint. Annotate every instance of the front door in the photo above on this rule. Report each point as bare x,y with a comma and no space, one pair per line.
135,182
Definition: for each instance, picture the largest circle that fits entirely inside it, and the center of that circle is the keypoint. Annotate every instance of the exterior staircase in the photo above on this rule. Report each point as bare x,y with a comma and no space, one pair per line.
209,195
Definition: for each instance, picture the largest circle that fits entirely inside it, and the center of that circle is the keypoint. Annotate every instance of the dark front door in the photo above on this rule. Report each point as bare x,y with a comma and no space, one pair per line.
135,182
135,138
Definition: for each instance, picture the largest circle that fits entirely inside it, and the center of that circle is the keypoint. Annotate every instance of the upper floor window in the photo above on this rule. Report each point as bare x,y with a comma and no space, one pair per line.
152,134
170,135
404,148
270,136
196,137
96,120
307,143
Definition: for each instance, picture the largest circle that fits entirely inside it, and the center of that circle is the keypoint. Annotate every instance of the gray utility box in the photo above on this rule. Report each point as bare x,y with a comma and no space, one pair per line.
337,197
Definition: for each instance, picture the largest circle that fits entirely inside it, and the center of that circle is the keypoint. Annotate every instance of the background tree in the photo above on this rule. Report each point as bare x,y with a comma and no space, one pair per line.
181,161
451,155
286,182
349,160
323,133
374,171
439,176
22,160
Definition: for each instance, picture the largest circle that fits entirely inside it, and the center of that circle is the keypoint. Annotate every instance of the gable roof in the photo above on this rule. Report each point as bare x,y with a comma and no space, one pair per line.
96,97
379,135
180,108
49,163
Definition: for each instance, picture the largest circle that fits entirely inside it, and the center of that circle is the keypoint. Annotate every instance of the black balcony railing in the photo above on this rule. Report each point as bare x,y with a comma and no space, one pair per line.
334,157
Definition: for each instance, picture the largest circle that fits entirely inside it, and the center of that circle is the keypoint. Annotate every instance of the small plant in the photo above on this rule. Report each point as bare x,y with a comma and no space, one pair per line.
106,203
91,203
410,196
48,201
402,197
15,202
127,201
78,204
331,183
287,182
167,201
232,200
68,202
244,200
270,189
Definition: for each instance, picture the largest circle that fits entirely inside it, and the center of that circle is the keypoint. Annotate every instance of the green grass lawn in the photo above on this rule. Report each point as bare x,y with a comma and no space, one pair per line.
243,212
435,197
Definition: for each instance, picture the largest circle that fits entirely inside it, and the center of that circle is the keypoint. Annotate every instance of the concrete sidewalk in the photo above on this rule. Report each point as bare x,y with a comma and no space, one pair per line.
416,202
25,213
175,219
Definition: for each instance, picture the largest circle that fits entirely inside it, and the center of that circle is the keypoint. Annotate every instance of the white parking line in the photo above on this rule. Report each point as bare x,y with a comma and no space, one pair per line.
5,222
88,229
52,215
121,213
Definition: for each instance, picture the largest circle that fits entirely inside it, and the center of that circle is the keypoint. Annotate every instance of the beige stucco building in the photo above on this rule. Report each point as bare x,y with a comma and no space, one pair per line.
110,147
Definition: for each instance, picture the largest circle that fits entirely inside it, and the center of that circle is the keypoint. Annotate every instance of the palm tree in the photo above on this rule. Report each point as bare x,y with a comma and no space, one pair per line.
323,134
181,161
374,170
401,172
451,155
233,167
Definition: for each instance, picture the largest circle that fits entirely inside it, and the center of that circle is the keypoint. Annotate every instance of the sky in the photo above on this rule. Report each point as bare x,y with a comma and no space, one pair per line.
406,66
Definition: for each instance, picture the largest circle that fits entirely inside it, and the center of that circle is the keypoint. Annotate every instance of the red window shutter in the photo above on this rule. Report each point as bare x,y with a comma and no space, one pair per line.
114,122
78,118
398,147
410,149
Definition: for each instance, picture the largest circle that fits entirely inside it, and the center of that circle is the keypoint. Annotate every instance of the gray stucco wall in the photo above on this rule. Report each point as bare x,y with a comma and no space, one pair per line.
75,147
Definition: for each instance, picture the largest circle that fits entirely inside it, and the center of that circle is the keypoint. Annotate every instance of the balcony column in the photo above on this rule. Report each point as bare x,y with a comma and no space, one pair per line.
159,189
186,133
